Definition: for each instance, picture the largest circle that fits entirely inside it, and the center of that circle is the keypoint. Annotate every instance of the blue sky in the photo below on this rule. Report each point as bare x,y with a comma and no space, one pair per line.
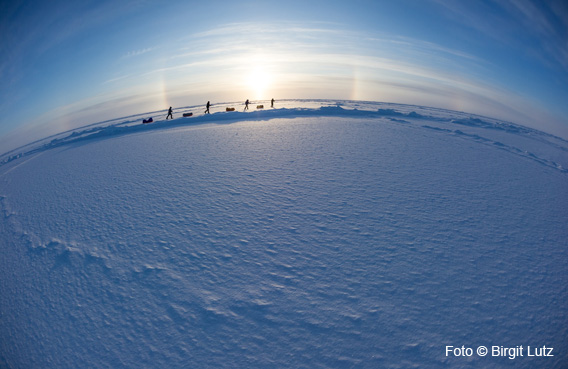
66,64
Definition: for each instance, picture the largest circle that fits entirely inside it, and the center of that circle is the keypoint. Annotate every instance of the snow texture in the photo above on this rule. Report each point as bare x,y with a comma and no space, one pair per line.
318,234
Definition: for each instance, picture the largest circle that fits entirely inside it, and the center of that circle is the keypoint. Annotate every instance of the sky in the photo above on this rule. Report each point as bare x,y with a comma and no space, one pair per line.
66,64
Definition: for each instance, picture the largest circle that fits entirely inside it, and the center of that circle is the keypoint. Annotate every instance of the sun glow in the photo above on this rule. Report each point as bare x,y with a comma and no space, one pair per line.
258,80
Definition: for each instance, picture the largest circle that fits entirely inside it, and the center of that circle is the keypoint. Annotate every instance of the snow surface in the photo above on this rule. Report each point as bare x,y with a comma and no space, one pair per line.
319,234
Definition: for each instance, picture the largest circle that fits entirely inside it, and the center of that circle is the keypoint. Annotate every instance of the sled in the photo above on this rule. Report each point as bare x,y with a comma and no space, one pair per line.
187,114
149,120
260,106
230,109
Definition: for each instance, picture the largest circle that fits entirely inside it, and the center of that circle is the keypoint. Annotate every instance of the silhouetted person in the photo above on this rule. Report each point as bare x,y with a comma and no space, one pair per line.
170,113
246,104
272,103
207,106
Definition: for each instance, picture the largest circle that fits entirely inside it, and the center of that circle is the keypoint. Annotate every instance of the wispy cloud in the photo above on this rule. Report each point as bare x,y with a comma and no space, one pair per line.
540,28
117,79
549,26
30,32
323,59
332,47
223,57
309,57
133,53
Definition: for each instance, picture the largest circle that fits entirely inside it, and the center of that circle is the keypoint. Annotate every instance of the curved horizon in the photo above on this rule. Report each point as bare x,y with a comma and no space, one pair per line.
464,125
84,63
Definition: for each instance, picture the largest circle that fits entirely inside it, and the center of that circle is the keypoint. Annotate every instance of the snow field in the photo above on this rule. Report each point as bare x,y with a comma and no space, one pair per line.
320,238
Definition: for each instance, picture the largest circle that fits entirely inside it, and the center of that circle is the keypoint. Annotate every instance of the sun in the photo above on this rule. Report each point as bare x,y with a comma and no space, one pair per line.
258,82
